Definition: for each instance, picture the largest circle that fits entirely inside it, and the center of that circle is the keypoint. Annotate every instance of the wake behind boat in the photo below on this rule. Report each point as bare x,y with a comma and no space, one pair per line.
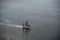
25,25
12,25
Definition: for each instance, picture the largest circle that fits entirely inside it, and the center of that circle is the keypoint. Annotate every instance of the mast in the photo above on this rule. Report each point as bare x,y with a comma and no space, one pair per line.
23,24
26,24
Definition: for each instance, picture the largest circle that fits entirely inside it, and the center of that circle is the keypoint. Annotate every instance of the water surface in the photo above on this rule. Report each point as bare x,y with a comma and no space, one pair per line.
43,16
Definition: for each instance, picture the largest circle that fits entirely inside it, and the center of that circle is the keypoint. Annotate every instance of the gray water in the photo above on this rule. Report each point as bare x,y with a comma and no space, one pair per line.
43,16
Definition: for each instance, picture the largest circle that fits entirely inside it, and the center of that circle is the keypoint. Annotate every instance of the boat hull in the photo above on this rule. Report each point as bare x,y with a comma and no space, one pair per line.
28,28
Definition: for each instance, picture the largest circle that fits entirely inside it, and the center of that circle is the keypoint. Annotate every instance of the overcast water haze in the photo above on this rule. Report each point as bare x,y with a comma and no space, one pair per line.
42,15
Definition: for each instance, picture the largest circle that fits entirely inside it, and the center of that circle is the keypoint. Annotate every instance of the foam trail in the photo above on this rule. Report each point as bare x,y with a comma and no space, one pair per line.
11,25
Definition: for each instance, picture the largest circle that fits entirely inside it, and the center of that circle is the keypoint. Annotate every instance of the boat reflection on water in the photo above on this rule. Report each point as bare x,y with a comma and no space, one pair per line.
26,34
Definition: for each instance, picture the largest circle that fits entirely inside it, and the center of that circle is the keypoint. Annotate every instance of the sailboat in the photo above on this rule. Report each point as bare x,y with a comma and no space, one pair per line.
26,25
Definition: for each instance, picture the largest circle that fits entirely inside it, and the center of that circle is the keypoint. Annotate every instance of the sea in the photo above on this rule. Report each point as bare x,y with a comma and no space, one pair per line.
42,15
